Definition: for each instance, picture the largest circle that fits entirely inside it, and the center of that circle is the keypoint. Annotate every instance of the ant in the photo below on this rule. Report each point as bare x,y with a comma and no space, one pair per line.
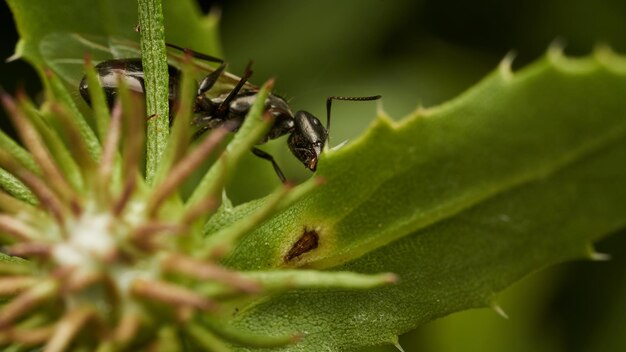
307,136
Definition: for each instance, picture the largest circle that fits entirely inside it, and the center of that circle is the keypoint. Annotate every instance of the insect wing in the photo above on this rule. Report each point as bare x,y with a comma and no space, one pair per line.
224,84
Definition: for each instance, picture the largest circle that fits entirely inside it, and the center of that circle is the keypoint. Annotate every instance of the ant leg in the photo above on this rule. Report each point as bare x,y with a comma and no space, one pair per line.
202,103
195,54
233,93
329,101
208,81
263,155
199,132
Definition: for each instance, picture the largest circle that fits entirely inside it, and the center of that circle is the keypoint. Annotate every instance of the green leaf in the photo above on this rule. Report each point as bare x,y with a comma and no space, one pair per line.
522,171
184,24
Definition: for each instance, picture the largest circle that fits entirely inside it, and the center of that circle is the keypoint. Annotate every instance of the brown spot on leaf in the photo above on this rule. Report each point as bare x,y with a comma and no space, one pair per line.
306,243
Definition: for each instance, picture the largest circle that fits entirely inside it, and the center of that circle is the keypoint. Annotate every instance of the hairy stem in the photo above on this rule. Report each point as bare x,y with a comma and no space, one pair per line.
154,62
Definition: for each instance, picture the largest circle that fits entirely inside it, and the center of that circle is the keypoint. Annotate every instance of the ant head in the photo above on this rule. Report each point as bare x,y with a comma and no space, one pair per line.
308,139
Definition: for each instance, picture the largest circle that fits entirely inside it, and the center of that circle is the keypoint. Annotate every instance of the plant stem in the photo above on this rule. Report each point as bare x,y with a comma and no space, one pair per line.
154,62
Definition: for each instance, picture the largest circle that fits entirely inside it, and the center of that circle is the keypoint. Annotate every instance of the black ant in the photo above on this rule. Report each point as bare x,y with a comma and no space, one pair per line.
307,136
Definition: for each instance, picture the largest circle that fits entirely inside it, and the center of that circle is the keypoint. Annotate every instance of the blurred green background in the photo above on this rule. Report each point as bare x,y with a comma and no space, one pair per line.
421,53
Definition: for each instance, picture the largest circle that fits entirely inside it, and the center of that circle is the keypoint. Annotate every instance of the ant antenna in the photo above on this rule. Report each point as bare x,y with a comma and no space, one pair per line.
329,102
